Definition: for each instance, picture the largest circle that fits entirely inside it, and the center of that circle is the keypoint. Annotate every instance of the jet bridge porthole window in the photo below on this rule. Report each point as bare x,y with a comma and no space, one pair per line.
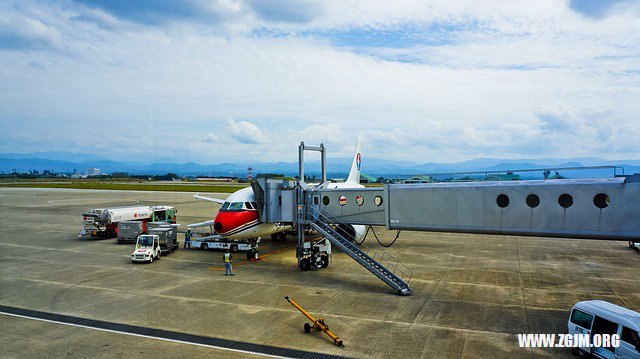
502,201
359,200
326,200
342,200
377,200
533,200
601,200
565,200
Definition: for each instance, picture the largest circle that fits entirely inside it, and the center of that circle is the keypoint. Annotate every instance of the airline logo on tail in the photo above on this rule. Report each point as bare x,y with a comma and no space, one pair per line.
358,160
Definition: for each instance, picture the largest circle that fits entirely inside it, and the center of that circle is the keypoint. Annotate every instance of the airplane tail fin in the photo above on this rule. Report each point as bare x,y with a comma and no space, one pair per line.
354,174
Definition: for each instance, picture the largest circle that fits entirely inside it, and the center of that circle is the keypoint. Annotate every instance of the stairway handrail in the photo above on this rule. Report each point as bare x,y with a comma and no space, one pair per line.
317,216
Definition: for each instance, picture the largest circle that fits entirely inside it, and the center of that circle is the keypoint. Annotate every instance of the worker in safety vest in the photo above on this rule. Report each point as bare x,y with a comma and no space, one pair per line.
187,239
228,269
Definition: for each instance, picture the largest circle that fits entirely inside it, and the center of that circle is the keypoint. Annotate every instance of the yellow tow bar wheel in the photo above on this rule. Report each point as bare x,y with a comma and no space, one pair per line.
318,324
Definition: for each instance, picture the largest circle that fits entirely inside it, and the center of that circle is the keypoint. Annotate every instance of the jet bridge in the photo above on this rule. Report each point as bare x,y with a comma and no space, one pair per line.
601,208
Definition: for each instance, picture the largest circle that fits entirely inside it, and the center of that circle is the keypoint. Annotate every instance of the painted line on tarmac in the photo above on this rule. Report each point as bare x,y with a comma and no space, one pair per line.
161,334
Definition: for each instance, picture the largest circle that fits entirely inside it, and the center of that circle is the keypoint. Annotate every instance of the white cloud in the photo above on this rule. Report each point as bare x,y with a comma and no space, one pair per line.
244,131
491,88
210,138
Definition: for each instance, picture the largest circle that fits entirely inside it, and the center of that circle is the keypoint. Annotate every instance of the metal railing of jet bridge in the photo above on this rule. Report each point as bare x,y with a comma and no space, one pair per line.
385,259
505,175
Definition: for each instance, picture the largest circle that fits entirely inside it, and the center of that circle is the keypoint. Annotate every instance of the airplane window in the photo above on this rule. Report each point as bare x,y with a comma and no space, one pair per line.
325,200
225,205
565,200
359,200
502,200
601,200
236,205
342,200
533,200
377,200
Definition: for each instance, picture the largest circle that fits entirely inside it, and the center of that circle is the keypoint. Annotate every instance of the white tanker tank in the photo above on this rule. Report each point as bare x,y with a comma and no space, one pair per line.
103,222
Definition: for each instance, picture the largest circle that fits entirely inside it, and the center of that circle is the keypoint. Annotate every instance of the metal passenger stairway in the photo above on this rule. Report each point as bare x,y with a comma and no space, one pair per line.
394,278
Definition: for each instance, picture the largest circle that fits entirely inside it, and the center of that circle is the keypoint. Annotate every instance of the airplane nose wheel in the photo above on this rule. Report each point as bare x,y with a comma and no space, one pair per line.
253,255
307,328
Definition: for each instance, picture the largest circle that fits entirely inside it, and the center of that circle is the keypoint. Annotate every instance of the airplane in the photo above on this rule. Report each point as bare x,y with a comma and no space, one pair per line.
238,216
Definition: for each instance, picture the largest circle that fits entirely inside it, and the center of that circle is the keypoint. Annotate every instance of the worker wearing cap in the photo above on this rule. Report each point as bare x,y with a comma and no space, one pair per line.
187,239
228,269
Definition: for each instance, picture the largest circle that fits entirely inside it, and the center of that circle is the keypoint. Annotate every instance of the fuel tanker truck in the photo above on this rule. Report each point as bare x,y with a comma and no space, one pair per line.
103,222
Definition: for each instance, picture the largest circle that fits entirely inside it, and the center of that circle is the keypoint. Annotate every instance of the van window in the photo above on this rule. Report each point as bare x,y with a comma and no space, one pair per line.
630,336
603,326
581,318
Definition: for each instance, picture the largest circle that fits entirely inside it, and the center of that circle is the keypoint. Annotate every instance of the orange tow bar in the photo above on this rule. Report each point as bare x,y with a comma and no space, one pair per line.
318,324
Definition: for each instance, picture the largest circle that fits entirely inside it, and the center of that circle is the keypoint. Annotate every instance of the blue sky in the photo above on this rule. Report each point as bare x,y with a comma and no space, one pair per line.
230,80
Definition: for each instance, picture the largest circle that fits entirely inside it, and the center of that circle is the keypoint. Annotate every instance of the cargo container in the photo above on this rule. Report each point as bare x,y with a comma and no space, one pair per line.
173,226
168,242
128,231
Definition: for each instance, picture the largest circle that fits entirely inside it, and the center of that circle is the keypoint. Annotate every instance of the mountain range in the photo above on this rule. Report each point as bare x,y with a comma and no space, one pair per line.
60,161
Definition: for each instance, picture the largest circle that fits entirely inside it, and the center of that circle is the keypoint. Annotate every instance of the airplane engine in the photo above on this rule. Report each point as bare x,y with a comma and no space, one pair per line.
352,232
360,232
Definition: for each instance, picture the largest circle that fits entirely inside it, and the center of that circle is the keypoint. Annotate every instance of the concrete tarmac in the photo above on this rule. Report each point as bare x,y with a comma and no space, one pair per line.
472,293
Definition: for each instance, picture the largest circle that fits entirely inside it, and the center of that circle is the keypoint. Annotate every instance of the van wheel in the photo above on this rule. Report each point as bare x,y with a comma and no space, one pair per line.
234,248
151,259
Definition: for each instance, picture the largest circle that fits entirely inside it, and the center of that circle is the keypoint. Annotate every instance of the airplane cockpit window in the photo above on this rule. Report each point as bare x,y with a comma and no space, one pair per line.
248,205
255,205
225,205
236,205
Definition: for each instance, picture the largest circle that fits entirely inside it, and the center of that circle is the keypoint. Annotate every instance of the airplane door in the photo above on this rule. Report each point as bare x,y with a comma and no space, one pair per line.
258,192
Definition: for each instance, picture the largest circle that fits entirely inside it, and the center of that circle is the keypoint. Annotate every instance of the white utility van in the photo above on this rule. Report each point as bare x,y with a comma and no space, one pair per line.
600,317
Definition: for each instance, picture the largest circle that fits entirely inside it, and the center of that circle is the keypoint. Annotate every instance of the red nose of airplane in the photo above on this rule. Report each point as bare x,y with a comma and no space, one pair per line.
233,221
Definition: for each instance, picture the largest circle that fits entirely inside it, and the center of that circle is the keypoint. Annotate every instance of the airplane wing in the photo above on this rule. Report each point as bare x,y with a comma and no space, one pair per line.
201,224
221,201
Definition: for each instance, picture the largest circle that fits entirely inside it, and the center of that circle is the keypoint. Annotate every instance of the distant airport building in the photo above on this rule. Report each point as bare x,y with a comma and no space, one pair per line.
509,176
92,171
419,179
365,178
216,179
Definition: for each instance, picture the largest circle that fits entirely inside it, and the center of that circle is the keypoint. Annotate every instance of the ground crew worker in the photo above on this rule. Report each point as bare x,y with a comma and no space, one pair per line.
228,268
187,239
